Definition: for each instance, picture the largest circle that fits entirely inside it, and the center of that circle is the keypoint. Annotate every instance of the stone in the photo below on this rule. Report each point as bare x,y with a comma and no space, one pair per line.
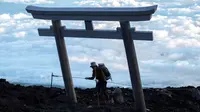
90,106
148,110
166,92
117,96
195,93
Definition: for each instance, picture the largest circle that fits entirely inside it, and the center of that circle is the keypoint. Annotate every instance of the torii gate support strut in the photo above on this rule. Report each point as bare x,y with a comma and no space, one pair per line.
123,15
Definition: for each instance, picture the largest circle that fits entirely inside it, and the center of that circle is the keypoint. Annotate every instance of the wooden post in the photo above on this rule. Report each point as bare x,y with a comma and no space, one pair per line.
133,66
88,25
64,61
51,79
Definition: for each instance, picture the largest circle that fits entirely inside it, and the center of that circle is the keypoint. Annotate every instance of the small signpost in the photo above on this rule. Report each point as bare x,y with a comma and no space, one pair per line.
127,34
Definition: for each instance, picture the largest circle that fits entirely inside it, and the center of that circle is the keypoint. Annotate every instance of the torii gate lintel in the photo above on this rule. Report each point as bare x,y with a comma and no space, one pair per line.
123,15
100,34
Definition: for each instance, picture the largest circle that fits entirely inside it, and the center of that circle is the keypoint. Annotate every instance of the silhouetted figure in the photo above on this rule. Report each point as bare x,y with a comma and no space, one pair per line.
101,82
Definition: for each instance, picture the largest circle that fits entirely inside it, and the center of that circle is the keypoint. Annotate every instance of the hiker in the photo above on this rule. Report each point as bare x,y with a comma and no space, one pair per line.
101,81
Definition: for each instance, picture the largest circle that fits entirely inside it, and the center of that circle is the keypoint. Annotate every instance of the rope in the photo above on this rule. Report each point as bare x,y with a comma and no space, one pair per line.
107,82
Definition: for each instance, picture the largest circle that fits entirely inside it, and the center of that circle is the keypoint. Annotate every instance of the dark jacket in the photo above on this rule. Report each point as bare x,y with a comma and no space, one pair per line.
98,73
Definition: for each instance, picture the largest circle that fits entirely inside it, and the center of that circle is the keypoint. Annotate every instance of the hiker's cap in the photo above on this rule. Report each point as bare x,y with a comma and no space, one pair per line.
93,64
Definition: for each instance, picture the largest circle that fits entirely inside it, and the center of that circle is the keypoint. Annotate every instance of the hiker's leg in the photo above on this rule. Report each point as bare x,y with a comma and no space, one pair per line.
101,88
103,94
98,92
101,83
105,91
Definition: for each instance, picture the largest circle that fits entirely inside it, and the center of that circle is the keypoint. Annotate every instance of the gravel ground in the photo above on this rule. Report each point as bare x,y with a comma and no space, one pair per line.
17,98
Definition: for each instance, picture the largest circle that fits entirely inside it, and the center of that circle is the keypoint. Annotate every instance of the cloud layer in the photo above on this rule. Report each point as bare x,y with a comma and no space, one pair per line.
172,59
29,1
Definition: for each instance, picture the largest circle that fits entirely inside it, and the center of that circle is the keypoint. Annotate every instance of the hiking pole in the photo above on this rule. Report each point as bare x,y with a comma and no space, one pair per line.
97,96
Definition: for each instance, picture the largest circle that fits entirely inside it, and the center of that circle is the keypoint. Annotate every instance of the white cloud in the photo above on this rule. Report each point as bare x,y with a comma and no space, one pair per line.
2,30
197,15
161,34
81,59
172,3
116,4
187,2
197,7
185,26
119,66
180,10
21,16
17,16
20,34
112,3
174,43
29,1
5,17
44,1
159,18
19,22
182,63
175,56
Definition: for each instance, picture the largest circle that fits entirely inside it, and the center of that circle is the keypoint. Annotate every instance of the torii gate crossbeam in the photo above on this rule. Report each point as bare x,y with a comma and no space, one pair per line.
123,15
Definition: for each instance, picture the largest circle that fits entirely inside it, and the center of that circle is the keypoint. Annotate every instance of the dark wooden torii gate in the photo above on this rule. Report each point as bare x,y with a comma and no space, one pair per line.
123,15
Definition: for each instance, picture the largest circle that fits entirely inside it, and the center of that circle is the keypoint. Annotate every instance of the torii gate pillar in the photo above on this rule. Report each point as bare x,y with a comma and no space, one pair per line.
64,61
123,15
133,66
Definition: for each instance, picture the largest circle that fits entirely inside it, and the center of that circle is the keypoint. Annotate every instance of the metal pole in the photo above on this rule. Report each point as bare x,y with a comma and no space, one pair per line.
51,79
64,62
133,67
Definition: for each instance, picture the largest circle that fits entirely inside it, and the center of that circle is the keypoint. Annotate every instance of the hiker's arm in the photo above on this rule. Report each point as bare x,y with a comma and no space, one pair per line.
93,76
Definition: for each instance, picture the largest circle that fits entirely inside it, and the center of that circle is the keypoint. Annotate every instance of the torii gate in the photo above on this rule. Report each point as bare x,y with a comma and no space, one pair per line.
123,15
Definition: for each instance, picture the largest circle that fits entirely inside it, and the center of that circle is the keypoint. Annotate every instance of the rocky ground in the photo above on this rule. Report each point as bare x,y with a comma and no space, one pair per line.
16,98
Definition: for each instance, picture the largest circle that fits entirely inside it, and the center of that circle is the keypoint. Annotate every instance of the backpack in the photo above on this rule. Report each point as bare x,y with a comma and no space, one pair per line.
106,72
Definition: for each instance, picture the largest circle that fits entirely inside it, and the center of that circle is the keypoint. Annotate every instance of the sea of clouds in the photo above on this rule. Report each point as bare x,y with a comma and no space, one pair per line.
172,59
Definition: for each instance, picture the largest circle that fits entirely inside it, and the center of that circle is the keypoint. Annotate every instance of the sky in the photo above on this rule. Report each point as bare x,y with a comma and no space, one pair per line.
171,59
